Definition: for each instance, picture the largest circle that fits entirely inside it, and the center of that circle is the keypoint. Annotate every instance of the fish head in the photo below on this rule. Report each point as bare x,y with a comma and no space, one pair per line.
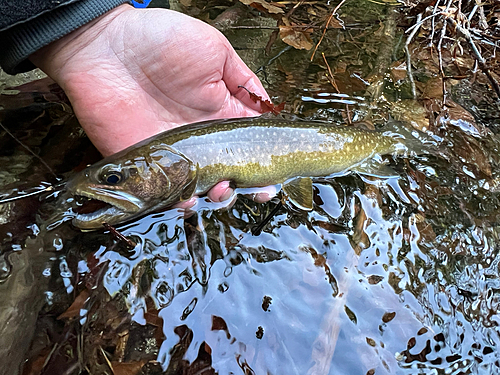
126,185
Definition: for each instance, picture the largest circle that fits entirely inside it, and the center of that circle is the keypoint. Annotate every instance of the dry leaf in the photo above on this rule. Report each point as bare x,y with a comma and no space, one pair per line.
74,310
295,38
263,5
265,105
432,88
128,368
398,71
459,117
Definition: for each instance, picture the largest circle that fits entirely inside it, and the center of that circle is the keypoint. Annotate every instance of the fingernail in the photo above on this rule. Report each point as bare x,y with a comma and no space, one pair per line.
228,192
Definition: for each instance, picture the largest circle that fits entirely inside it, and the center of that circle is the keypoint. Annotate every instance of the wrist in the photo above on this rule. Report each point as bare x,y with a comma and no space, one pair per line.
57,55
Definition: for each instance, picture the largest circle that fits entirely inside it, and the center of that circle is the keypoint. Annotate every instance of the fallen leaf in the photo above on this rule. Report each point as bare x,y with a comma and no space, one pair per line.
295,38
459,117
74,310
127,368
398,71
265,105
263,5
432,88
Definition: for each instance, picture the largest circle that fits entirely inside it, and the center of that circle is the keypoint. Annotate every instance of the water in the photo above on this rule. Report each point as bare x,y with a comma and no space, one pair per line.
384,276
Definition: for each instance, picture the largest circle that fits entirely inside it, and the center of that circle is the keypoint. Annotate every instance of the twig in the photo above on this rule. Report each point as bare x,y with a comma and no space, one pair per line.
408,57
106,359
290,12
30,151
419,23
331,79
258,228
330,76
472,12
479,57
326,27
433,23
440,58
33,193
127,241
482,18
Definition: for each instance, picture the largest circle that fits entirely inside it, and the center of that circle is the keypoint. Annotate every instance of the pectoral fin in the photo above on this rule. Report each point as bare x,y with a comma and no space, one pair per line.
300,192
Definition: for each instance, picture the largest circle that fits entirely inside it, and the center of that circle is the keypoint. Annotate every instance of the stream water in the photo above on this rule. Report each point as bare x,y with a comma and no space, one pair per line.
385,276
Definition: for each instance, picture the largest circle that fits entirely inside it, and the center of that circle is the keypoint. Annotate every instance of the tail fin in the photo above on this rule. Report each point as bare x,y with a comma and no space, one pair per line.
416,141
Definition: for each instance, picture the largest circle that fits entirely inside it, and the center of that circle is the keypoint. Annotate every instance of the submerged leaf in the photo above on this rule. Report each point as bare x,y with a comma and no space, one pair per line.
263,5
128,368
74,310
296,38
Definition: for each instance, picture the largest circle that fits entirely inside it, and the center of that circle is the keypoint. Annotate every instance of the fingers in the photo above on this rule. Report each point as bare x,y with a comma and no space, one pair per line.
261,194
186,204
220,192
223,192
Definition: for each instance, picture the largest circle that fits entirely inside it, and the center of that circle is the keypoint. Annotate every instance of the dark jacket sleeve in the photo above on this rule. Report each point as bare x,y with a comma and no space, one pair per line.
26,26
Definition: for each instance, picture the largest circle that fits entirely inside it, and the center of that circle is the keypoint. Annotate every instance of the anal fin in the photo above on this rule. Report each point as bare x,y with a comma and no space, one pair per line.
300,192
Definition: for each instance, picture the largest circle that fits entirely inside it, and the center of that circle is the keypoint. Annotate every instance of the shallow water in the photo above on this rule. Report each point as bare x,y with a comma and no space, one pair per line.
384,276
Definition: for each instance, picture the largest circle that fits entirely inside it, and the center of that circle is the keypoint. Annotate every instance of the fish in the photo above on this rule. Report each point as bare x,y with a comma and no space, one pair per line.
177,164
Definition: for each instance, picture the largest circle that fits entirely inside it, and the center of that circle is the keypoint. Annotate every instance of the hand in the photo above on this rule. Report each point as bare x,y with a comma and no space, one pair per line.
133,73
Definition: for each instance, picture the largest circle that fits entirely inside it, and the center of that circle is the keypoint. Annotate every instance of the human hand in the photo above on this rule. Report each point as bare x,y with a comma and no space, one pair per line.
133,73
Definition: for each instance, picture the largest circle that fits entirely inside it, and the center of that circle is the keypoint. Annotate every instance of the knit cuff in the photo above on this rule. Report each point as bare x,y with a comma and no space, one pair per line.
19,42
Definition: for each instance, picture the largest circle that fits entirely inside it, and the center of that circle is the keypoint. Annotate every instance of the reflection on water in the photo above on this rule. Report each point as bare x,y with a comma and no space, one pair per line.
394,275
384,276
365,282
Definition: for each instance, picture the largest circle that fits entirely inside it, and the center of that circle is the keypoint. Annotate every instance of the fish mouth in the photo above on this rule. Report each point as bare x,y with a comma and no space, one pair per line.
97,205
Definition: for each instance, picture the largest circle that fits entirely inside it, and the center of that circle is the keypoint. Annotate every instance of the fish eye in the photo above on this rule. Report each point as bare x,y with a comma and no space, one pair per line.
113,178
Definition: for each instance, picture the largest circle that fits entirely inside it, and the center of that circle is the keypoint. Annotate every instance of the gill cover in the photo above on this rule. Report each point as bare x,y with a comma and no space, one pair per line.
179,174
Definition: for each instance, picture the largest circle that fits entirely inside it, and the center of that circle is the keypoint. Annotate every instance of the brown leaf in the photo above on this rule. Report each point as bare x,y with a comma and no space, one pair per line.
460,117
295,38
35,366
218,324
127,368
398,71
74,310
473,153
432,88
263,5
265,105
335,24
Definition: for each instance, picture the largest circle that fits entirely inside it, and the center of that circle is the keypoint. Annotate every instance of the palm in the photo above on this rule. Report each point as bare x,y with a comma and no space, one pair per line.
151,70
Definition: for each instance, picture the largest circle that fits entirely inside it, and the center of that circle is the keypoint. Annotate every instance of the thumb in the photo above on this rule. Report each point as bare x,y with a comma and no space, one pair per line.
237,74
